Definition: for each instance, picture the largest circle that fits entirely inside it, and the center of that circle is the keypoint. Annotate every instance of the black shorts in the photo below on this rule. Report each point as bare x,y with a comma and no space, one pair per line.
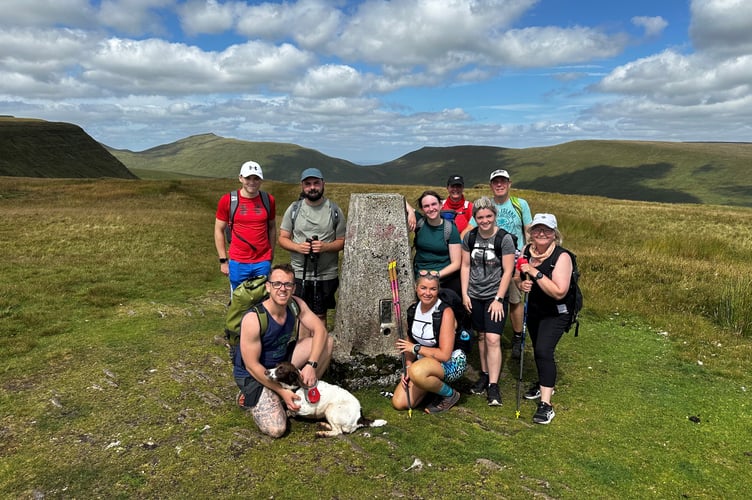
319,295
482,322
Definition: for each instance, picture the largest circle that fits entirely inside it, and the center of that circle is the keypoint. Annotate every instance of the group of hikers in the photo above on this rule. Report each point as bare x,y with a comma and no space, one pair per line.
488,259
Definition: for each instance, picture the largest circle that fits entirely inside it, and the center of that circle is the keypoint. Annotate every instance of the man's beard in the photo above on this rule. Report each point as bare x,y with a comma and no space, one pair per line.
314,195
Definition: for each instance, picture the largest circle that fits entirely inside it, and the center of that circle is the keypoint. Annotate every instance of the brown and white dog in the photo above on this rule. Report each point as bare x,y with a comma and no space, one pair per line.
340,408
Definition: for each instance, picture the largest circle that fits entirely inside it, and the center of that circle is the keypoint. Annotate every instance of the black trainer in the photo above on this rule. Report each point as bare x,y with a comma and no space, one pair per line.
534,391
494,396
544,414
516,346
481,385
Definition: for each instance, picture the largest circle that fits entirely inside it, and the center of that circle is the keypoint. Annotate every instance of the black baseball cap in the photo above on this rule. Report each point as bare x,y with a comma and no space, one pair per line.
456,179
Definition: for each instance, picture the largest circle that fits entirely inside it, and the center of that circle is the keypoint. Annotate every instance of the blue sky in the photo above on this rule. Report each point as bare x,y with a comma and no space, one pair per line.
369,81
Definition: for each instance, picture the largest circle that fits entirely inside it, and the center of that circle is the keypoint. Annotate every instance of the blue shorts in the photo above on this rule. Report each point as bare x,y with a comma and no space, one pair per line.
455,367
240,271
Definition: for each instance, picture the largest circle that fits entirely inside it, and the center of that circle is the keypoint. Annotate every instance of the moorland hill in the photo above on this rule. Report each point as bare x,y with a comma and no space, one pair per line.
38,148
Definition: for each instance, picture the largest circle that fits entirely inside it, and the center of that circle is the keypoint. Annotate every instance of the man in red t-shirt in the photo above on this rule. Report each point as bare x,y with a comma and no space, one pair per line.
456,202
254,229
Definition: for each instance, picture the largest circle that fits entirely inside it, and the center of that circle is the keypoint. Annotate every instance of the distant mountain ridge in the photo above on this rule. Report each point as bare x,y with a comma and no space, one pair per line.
673,172
38,148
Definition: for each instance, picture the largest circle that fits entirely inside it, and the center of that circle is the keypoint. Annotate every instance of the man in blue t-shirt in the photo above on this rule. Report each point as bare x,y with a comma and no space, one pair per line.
513,215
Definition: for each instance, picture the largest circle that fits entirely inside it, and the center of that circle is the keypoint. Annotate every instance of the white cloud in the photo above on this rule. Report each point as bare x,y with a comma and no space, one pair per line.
30,13
330,81
134,17
722,26
653,26
209,16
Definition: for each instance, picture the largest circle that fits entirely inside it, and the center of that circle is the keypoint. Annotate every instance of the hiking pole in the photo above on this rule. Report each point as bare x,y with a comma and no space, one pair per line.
305,270
522,356
315,260
392,268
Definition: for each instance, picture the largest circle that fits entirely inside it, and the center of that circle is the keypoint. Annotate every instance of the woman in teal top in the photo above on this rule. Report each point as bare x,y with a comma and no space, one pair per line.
437,242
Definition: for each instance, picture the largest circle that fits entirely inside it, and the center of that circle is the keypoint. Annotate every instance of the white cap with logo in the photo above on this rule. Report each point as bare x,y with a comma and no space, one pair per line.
250,168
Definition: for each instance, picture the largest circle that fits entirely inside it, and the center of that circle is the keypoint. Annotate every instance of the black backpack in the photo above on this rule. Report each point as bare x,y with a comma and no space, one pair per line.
449,298
234,202
573,299
498,238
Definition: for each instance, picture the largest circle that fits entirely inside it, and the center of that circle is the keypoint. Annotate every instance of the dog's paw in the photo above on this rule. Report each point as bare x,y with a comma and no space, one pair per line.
324,426
379,422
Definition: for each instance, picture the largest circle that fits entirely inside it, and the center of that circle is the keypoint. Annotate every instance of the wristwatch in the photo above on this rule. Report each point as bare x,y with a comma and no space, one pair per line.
314,364
538,276
499,299
222,260
416,349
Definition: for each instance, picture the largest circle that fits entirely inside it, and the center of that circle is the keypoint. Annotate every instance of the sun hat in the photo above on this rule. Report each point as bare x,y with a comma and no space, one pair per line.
311,172
499,173
250,168
548,220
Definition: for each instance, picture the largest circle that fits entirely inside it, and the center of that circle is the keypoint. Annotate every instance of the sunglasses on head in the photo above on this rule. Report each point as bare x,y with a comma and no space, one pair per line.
423,273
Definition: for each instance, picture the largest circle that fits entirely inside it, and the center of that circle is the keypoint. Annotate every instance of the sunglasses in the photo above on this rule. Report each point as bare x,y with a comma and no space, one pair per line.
428,274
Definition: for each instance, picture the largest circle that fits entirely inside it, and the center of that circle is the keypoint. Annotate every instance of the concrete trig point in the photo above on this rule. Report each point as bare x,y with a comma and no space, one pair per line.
376,233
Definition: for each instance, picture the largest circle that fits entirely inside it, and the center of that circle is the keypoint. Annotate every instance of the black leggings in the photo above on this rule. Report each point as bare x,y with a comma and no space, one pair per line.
545,333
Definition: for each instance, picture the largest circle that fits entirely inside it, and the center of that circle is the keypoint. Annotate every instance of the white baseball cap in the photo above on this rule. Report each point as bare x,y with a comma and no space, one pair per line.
499,173
250,168
548,220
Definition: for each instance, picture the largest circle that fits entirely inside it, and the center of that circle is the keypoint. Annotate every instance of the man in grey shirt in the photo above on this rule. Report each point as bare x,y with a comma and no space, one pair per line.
313,230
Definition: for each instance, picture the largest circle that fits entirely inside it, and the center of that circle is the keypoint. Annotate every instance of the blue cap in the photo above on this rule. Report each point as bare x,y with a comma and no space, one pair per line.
311,172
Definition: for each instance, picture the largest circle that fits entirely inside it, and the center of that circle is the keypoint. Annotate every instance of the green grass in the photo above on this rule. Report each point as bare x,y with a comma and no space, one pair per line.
115,382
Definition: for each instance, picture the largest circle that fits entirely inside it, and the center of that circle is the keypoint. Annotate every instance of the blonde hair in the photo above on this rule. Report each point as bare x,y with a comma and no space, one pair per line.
484,203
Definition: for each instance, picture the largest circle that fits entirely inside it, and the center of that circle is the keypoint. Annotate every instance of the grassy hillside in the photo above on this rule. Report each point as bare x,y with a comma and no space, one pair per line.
37,148
708,173
209,155
116,383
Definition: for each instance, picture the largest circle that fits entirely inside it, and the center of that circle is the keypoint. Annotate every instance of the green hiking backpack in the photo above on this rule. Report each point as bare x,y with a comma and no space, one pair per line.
246,297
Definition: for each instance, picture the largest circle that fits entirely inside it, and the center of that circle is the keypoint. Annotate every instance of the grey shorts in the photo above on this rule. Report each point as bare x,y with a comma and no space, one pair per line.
514,295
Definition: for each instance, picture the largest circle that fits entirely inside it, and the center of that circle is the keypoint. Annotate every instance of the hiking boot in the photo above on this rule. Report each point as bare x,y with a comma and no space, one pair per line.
516,346
481,385
494,396
443,404
534,391
544,414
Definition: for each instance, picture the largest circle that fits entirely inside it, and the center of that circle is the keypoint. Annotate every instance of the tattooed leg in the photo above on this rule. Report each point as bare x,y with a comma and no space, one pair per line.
269,414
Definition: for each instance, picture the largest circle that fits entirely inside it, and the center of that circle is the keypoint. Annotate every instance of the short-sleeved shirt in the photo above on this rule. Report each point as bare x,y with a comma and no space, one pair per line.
315,220
507,218
485,265
251,223
431,248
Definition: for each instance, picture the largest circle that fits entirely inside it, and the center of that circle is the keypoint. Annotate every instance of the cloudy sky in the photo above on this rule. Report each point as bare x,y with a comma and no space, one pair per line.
371,80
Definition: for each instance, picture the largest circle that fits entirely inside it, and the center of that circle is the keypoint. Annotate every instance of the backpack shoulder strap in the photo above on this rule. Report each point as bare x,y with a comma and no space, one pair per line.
472,236
263,319
335,214
410,318
266,202
517,205
234,201
294,212
447,230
